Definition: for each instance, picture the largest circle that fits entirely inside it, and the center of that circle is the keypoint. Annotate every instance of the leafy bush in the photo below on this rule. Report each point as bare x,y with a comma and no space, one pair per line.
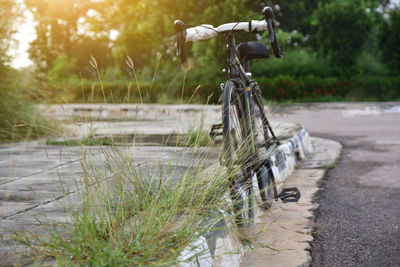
296,62
389,41
63,69
19,119
343,28
313,88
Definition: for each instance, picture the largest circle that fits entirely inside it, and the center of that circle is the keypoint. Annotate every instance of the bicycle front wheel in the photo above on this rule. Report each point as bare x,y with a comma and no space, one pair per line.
235,127
263,143
236,136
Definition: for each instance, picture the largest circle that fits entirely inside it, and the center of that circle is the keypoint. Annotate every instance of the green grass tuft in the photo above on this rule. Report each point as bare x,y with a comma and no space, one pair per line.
19,118
141,220
88,141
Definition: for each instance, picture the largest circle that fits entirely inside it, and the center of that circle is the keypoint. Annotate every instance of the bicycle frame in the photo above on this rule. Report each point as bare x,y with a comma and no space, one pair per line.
249,88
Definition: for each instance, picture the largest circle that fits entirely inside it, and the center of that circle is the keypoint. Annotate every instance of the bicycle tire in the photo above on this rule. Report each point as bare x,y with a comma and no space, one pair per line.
261,136
265,186
235,148
235,128
242,196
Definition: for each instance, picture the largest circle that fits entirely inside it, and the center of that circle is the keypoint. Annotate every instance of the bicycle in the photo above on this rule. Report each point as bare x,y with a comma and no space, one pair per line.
248,138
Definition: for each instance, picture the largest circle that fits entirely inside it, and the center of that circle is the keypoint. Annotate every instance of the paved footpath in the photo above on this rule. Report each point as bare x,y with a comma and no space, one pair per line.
36,180
286,230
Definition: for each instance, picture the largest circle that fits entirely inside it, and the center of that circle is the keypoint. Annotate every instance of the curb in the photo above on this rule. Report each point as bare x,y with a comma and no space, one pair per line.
223,247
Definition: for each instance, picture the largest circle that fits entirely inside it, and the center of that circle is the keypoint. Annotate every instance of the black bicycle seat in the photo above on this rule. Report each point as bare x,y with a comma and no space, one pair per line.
252,50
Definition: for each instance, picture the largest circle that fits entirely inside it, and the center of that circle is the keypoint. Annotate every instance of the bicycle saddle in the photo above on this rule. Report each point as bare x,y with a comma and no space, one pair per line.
252,50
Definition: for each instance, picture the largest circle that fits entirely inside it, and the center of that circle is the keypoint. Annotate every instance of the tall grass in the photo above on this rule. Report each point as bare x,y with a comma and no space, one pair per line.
141,220
19,119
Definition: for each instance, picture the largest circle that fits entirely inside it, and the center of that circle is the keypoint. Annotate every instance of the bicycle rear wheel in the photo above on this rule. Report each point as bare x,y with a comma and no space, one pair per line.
236,136
262,141
265,186
235,130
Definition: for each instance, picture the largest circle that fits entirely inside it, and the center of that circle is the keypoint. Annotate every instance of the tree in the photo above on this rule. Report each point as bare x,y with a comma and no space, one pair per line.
58,33
8,15
297,15
389,41
145,26
343,28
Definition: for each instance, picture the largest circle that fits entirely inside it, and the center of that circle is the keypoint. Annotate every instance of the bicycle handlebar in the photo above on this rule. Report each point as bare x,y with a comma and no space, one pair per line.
269,17
209,31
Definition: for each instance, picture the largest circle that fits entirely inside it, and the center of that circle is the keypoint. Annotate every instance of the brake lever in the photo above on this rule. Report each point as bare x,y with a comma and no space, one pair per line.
269,17
181,48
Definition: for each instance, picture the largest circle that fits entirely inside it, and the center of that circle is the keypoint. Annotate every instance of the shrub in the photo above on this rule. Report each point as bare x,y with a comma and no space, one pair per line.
343,28
19,119
63,68
389,40
313,88
296,62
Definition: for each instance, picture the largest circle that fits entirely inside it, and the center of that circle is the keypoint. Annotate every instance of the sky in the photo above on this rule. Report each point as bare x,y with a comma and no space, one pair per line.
26,34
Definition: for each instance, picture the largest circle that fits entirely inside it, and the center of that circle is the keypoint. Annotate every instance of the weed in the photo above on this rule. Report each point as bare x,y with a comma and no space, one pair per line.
88,141
19,119
140,220
198,136
331,166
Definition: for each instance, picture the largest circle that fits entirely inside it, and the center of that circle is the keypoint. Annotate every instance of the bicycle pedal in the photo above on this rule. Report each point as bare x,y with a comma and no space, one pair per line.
291,194
216,130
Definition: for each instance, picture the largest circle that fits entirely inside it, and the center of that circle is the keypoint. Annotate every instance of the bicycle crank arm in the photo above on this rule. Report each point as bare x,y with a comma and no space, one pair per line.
291,194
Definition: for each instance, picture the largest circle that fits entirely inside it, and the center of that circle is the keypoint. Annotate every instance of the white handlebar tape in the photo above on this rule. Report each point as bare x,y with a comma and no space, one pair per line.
205,31
252,26
202,32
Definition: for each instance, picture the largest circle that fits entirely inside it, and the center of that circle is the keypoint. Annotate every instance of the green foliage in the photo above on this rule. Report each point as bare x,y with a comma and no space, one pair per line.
297,62
19,119
63,68
8,14
295,15
343,28
58,22
319,38
312,88
88,141
139,219
389,41
198,136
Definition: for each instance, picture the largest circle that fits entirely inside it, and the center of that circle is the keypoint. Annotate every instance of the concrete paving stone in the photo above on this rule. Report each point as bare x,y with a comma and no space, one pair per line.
325,154
4,180
8,226
41,182
14,207
45,216
25,195
14,173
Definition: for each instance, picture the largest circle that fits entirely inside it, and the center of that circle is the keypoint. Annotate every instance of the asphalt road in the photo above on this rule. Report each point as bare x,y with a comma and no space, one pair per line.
358,220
